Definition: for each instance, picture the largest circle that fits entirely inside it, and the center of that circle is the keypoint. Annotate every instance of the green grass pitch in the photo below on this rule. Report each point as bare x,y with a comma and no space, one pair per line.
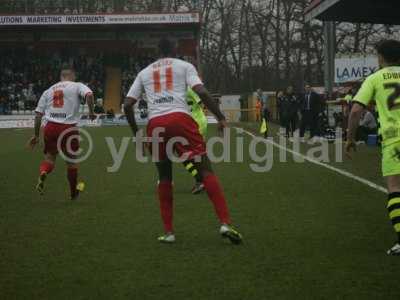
309,233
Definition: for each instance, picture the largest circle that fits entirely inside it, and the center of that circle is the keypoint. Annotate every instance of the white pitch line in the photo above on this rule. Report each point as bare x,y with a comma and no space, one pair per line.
329,167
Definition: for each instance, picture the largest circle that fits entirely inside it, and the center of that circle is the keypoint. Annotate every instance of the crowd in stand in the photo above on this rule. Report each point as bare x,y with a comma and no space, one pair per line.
25,75
132,65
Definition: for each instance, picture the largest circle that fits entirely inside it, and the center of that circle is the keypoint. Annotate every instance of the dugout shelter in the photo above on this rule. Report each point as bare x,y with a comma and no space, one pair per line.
355,11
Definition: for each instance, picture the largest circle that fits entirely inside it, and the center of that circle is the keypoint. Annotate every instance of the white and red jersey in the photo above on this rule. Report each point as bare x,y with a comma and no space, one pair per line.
60,103
165,83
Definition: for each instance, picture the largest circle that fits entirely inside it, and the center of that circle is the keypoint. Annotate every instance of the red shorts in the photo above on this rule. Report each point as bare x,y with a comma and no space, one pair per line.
177,125
69,143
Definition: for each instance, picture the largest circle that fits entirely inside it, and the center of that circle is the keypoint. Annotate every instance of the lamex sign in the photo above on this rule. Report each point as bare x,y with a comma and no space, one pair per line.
117,19
355,68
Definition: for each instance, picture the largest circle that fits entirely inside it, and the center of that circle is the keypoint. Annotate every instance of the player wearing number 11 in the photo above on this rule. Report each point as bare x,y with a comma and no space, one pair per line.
165,83
384,88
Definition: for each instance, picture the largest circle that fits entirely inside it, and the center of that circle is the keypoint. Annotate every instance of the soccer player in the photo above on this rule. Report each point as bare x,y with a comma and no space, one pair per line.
384,87
59,105
165,83
194,102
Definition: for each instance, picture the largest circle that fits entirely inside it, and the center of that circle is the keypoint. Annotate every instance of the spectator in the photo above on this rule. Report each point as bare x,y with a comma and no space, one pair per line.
262,97
338,117
265,116
367,126
143,109
289,107
98,109
26,73
110,114
258,110
310,108
279,103
2,105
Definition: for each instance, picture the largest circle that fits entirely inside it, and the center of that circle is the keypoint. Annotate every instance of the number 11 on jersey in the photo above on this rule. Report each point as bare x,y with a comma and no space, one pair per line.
169,82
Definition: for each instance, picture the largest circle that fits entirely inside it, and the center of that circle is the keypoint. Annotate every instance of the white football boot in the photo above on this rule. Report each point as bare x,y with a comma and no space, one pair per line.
395,250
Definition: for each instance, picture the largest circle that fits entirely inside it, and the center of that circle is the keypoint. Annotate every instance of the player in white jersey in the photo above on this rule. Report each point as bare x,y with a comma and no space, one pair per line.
165,83
59,106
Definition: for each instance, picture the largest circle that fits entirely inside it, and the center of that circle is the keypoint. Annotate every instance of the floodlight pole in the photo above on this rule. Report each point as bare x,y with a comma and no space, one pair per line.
329,53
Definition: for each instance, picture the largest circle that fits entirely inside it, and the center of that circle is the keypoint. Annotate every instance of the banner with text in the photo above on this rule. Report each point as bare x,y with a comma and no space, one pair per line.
355,68
173,18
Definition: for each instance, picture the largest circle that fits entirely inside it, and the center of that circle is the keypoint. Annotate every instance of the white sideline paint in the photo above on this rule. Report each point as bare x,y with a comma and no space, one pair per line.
334,169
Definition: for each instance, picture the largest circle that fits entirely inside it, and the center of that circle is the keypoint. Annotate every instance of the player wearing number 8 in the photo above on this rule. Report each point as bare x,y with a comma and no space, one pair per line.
384,88
59,105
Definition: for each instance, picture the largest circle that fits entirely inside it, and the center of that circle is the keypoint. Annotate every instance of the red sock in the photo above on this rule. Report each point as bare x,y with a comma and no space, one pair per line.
166,204
72,175
216,195
46,167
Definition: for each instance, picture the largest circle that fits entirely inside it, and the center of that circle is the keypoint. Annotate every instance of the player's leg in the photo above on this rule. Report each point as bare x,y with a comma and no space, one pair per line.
50,136
213,189
75,187
190,167
164,168
216,195
46,167
196,148
393,207
70,146
165,196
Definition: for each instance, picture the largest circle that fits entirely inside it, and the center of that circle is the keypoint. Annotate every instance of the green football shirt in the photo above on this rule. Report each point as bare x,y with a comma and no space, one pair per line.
384,87
198,115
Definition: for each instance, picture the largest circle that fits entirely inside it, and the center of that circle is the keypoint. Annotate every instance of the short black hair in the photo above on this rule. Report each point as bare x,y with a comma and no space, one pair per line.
67,67
166,47
390,50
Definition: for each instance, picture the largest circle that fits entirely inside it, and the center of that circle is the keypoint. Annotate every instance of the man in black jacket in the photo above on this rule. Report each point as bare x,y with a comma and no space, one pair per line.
289,106
310,109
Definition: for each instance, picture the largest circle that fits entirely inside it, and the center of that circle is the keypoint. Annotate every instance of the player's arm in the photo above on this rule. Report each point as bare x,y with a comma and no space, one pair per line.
90,102
354,121
193,80
361,100
135,92
208,101
39,112
129,112
38,123
86,93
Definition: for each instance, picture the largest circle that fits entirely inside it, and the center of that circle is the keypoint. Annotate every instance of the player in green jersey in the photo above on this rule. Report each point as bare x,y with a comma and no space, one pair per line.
194,102
384,87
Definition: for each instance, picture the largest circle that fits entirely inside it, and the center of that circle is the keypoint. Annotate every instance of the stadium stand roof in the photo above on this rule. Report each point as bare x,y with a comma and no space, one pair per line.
355,11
